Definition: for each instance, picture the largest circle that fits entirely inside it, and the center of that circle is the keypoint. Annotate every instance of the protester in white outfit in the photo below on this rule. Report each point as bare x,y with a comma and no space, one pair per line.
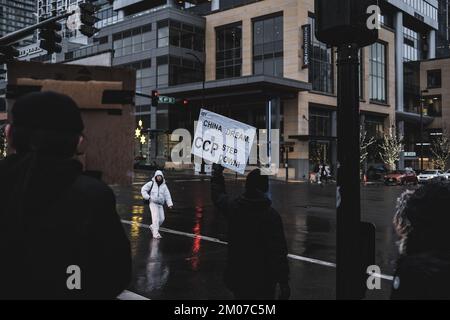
157,192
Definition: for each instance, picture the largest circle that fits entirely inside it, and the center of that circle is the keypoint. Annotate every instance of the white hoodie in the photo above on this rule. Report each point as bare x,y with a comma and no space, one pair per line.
158,194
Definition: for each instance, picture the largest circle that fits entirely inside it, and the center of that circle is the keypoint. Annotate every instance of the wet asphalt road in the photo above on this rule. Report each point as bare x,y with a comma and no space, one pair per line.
183,266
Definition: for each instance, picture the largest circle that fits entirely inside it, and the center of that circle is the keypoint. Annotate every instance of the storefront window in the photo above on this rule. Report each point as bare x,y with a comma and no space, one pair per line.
320,123
433,106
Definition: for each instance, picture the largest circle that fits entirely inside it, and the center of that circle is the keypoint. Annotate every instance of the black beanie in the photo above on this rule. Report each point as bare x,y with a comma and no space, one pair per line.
47,111
256,181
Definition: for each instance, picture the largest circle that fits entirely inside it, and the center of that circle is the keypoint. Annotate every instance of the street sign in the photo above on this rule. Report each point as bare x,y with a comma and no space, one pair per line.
222,140
168,100
409,154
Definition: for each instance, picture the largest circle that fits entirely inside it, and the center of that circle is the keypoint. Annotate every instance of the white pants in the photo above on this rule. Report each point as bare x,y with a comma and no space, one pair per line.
157,217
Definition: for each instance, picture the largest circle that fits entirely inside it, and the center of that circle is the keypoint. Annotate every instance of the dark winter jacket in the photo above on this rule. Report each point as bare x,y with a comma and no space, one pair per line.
422,276
257,250
53,217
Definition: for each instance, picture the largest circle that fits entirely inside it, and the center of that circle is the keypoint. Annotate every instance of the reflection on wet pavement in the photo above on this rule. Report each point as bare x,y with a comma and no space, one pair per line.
182,267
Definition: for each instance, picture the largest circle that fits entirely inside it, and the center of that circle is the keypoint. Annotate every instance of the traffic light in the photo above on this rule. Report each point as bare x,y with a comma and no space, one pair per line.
50,39
155,98
185,102
7,54
9,51
88,18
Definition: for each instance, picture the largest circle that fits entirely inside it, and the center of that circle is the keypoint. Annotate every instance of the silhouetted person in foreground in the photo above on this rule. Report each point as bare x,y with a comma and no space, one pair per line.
422,220
257,251
53,219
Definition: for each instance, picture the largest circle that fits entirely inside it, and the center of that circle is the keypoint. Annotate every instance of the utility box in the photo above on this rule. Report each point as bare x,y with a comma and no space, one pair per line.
105,96
340,22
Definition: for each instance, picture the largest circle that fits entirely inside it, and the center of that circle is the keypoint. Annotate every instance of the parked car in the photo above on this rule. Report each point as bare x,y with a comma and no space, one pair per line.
401,177
429,175
376,173
447,174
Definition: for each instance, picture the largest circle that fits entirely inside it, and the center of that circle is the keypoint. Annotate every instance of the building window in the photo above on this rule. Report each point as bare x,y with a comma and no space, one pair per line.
268,46
434,79
162,71
377,74
131,41
163,33
182,35
143,78
321,74
319,122
410,45
374,126
433,106
361,73
182,70
229,51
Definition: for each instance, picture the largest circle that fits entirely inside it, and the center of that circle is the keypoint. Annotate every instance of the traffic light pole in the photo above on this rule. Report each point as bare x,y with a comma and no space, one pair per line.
20,34
349,248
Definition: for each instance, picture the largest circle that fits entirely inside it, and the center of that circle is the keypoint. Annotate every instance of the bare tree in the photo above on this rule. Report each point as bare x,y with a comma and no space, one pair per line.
390,149
440,149
2,142
364,143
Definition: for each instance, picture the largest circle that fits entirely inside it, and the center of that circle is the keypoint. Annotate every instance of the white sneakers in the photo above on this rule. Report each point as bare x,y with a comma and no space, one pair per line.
155,236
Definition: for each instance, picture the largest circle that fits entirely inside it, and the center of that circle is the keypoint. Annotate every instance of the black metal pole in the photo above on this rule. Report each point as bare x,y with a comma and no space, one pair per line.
349,249
202,166
287,164
22,33
421,133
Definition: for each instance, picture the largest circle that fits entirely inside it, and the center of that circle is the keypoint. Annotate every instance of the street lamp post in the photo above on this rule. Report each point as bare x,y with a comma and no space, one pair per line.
202,63
344,24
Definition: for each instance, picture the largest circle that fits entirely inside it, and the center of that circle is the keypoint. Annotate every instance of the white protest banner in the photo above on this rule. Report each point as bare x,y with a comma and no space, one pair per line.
223,140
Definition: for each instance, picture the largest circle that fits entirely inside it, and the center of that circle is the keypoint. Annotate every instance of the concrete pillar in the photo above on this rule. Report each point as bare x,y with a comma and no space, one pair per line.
215,5
398,26
432,44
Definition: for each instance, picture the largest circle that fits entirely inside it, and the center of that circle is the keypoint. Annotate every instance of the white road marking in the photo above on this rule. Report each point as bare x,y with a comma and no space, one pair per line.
128,295
215,240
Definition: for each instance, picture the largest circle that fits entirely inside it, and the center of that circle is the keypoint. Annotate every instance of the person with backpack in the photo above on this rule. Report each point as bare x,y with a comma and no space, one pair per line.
158,194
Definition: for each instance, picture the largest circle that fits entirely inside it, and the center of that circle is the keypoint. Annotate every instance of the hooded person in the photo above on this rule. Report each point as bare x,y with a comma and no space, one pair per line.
158,194
422,220
60,235
257,251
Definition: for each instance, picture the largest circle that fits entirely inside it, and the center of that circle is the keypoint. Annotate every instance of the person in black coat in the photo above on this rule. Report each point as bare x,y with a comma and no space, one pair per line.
55,223
257,250
422,220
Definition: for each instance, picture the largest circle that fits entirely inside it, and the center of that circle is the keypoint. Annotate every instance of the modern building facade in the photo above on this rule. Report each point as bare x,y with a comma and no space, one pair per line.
252,53
15,15
415,23
432,78
261,52
443,36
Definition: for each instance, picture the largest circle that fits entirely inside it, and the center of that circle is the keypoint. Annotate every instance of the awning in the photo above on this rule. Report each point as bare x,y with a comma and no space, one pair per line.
312,138
258,85
413,118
